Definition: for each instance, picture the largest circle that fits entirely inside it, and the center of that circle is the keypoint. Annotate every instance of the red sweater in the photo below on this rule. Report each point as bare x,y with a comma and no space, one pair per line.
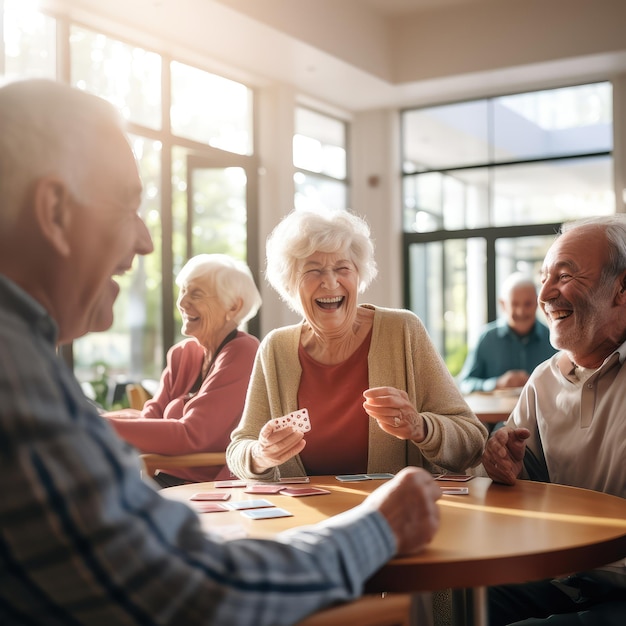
172,424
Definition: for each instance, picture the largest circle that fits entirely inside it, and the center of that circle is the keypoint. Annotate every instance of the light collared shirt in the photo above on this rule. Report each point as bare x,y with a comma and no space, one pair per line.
577,422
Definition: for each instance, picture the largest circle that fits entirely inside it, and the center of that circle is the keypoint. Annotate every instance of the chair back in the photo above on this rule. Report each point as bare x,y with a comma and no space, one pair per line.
370,610
137,396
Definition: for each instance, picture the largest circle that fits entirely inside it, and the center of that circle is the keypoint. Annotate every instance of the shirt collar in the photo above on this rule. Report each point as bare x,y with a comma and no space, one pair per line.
568,367
16,300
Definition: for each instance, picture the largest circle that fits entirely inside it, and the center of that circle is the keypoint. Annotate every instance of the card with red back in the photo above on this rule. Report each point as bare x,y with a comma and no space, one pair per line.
268,489
303,491
210,495
299,420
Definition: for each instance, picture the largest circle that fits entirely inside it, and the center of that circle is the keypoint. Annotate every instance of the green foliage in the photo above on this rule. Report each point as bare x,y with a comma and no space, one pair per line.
455,358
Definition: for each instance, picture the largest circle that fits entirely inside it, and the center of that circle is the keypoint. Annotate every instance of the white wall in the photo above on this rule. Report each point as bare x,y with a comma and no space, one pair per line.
375,175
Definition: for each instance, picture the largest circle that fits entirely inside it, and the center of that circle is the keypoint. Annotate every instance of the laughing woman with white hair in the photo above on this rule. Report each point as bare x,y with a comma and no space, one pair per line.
378,394
202,390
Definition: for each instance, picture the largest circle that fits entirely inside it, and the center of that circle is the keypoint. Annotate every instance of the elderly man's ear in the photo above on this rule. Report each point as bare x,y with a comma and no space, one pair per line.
620,298
53,213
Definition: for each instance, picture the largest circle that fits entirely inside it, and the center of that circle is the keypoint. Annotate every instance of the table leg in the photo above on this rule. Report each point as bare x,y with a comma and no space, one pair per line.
421,612
480,609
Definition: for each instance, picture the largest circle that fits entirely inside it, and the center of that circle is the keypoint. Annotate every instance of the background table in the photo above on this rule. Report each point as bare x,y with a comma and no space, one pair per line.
492,407
495,535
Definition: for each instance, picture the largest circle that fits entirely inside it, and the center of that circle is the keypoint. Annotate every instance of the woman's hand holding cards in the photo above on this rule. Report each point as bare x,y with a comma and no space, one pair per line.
279,440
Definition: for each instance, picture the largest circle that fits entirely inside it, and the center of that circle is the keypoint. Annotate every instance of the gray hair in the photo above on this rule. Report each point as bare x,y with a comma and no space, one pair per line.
614,227
304,232
513,281
230,278
47,128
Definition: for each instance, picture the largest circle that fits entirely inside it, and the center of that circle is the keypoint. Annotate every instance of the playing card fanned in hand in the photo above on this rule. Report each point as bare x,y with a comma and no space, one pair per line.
298,420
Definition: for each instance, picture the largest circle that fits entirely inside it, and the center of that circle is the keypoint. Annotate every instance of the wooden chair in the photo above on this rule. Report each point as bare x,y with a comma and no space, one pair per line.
153,462
370,610
137,396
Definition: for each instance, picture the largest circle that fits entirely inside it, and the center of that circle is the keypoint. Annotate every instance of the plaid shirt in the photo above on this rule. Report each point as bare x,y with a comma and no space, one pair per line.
83,540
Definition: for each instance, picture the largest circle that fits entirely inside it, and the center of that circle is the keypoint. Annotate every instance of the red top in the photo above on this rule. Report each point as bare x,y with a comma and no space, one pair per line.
173,423
333,394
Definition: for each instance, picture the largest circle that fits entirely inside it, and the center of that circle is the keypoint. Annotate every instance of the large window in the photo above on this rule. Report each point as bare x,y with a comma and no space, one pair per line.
192,134
320,159
486,184
29,38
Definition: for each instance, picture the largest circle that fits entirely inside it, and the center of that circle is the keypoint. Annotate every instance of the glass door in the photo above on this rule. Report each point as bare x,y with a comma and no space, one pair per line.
222,210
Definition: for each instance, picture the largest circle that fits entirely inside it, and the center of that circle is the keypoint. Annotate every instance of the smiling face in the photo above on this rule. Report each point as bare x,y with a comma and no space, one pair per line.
328,289
580,310
520,308
105,234
203,314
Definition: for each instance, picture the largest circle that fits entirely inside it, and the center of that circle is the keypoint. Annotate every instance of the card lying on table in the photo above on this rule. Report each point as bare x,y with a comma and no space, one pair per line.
221,484
294,479
266,513
458,478
454,491
346,478
303,491
250,504
267,489
210,495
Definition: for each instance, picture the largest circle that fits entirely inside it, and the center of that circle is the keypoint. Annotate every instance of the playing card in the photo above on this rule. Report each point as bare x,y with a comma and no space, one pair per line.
263,489
210,495
459,478
381,476
345,478
298,420
250,504
303,491
221,484
266,513
455,491
294,479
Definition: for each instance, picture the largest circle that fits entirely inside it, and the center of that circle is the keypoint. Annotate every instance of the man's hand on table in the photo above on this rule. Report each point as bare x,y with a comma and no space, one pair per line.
503,458
409,504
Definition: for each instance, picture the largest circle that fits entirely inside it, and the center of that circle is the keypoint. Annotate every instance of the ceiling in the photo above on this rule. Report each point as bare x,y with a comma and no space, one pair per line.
402,7
367,54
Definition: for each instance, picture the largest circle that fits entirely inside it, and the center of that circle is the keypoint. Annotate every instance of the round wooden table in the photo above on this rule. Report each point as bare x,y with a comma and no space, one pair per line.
495,535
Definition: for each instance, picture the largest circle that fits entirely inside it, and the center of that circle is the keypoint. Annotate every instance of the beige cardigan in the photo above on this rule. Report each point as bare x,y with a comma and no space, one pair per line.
401,355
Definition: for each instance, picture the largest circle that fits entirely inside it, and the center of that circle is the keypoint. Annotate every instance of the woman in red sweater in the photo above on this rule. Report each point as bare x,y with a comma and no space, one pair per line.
203,387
